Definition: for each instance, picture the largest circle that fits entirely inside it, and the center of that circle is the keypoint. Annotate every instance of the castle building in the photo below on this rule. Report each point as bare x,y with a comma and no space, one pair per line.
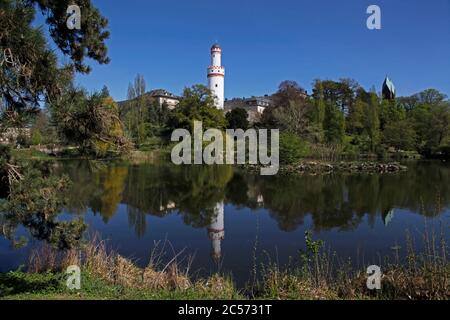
254,106
216,76
165,97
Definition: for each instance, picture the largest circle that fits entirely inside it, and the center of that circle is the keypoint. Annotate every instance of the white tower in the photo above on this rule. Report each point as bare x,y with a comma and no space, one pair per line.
216,231
216,76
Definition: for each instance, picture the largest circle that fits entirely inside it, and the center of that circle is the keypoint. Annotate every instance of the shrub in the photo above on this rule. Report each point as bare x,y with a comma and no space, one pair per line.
292,148
36,138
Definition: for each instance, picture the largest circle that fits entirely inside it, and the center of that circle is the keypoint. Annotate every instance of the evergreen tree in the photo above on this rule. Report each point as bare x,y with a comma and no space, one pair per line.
30,72
237,119
334,124
319,112
372,121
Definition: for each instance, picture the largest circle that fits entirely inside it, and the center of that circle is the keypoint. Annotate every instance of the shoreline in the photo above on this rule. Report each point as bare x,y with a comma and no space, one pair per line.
108,275
306,165
325,167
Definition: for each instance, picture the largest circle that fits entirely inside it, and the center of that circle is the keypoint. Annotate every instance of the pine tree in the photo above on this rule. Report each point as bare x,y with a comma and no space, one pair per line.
372,123
334,124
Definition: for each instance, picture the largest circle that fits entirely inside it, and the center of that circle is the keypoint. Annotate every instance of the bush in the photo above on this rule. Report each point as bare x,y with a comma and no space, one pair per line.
36,138
237,119
23,141
292,148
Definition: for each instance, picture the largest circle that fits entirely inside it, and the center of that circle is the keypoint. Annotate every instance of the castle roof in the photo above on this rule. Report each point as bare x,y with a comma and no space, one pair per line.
389,85
162,93
388,89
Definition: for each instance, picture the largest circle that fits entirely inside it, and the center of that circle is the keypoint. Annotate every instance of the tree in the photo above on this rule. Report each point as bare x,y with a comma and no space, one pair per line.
319,111
430,96
400,135
30,76
135,112
432,124
372,121
355,119
87,42
288,92
105,92
91,122
391,112
341,93
292,148
294,118
237,119
334,124
30,72
34,202
41,130
197,103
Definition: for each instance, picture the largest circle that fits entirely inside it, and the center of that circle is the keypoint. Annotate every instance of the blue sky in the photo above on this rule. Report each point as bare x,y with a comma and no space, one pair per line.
265,42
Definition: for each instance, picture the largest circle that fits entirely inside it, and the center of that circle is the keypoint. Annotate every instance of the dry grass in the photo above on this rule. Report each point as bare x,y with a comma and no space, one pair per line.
216,286
320,275
421,275
111,267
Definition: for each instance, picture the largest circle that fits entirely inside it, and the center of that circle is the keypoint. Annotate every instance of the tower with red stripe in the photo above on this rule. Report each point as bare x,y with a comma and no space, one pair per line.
216,76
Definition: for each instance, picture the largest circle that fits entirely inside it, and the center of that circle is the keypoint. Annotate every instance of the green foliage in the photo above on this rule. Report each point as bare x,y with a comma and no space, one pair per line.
339,94
36,138
391,112
372,121
334,124
32,73
88,42
356,117
292,148
312,247
23,140
135,112
17,282
237,119
90,122
432,125
34,202
51,286
197,104
400,135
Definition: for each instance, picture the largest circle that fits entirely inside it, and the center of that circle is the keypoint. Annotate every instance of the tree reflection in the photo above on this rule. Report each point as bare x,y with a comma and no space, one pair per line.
338,201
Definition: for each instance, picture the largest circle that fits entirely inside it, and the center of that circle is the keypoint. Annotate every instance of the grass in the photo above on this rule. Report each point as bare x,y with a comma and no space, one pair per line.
30,154
322,275
318,275
107,275
51,286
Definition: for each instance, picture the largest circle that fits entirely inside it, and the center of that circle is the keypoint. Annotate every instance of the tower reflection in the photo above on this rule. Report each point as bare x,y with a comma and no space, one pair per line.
216,232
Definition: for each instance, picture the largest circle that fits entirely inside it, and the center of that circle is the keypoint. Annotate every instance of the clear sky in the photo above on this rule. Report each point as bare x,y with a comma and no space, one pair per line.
265,42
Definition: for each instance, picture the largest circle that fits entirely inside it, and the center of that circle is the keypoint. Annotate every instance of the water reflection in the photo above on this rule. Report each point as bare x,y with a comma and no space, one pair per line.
199,195
216,232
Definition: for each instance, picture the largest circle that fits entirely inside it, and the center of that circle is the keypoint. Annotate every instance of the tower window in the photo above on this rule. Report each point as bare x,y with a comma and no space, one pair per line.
217,85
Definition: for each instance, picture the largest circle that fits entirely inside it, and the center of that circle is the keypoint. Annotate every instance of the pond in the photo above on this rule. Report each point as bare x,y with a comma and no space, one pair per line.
233,221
